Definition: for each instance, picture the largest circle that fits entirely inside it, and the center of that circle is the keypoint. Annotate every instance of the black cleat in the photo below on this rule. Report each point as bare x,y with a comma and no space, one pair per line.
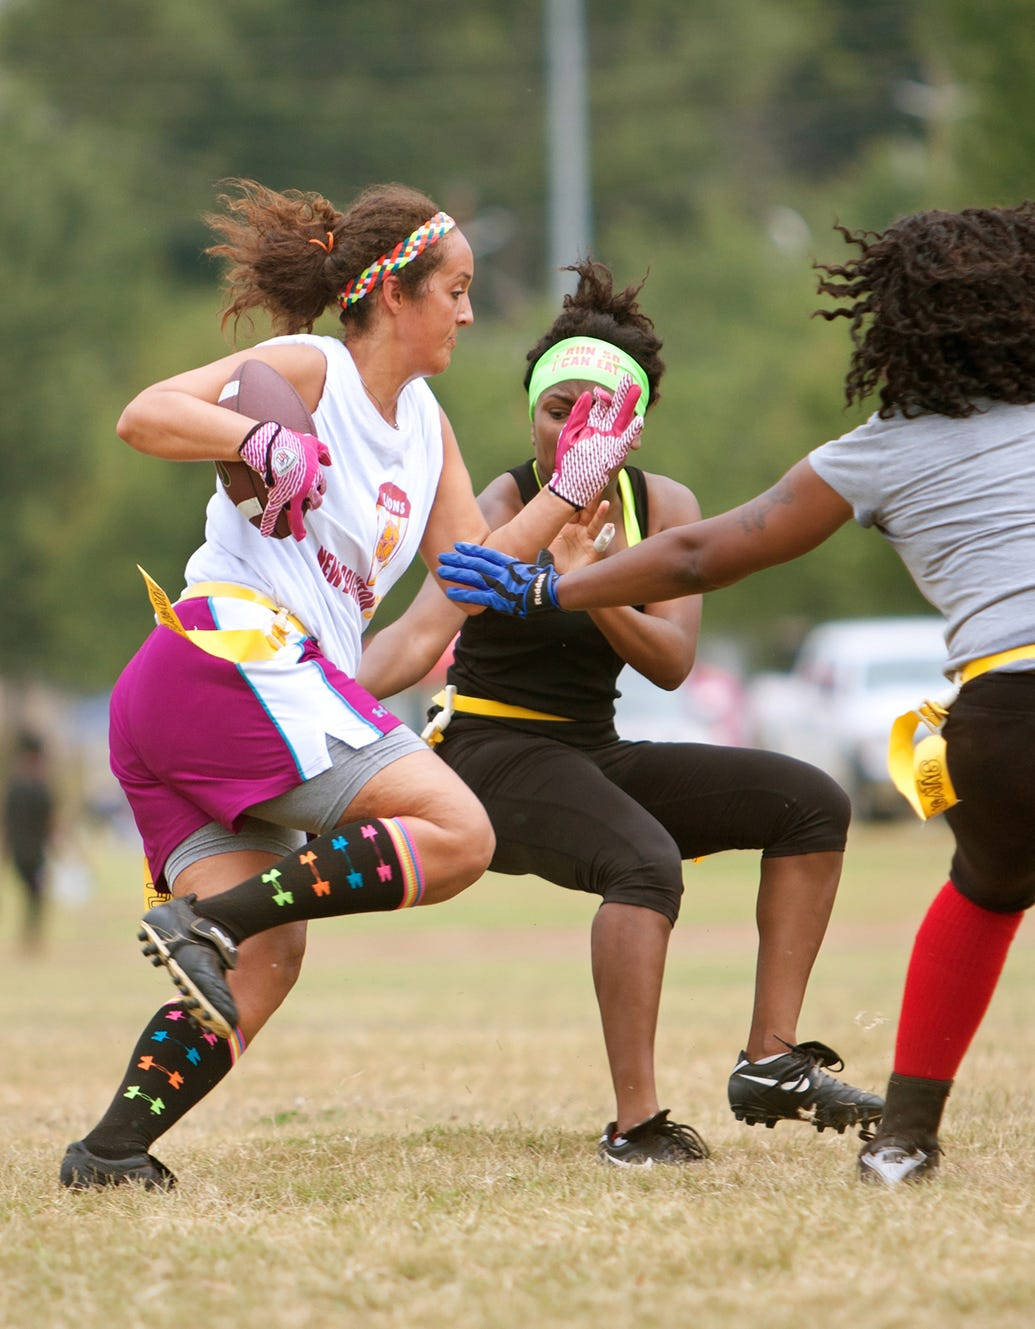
792,1087
656,1140
82,1170
197,952
890,1160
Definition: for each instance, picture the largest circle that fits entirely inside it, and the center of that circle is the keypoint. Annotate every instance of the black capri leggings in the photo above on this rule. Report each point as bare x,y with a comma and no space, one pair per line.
990,735
618,820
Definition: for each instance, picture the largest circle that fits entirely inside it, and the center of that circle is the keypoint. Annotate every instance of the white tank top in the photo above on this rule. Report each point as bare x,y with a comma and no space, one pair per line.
380,488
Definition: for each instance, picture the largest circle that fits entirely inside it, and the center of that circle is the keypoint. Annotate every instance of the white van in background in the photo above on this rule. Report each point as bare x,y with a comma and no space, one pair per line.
850,680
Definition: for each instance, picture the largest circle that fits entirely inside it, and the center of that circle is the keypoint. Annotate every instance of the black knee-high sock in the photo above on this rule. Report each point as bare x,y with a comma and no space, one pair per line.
359,868
173,1066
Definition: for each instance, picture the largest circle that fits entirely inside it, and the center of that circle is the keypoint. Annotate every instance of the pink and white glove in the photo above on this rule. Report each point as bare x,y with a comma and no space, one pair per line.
596,438
289,465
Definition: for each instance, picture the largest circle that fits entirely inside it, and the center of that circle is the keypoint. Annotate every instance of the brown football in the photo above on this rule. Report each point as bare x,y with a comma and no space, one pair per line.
260,392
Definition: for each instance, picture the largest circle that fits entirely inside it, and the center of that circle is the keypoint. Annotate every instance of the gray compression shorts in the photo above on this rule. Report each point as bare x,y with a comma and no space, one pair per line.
278,825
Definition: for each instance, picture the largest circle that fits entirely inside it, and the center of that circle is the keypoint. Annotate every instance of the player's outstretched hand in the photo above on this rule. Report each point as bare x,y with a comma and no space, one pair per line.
497,581
596,439
290,466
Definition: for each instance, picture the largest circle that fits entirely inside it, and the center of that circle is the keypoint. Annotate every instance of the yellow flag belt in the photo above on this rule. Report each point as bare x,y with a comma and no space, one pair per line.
452,702
237,645
919,771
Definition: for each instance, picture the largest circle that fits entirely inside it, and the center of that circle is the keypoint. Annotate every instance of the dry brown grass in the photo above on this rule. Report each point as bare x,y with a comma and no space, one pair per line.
411,1141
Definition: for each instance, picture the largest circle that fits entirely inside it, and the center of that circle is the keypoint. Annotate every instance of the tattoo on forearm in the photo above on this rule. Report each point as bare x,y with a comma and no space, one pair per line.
753,517
692,580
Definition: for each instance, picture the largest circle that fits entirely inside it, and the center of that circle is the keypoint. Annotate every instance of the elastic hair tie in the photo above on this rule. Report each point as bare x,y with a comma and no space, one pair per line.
404,252
325,247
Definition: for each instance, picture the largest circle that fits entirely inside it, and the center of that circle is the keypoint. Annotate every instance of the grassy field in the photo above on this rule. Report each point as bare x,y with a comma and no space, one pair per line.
412,1140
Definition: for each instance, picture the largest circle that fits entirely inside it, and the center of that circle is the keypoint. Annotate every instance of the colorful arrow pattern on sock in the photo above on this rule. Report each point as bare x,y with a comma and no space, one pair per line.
320,887
147,1063
171,1070
280,897
384,870
134,1091
191,1053
354,878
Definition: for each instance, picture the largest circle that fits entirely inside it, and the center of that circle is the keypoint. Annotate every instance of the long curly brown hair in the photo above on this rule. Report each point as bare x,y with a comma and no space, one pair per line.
291,253
596,309
942,310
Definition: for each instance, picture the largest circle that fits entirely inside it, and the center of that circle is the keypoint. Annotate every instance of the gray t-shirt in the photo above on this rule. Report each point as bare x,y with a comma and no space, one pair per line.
956,499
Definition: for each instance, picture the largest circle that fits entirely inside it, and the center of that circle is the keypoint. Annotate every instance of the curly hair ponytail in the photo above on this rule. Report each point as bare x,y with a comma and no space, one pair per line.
596,309
291,253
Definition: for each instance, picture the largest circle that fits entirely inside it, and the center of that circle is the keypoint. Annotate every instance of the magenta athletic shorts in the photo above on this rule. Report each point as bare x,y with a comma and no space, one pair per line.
196,739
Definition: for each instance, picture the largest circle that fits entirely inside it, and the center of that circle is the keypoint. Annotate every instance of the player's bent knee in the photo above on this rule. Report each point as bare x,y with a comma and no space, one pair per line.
837,808
478,849
462,858
661,897
654,881
473,855
816,816
454,838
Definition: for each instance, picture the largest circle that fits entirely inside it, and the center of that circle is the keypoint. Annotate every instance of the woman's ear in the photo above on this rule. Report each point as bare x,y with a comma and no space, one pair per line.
391,292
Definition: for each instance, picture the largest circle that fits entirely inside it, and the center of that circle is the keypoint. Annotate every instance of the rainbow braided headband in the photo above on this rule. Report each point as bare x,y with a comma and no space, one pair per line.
404,252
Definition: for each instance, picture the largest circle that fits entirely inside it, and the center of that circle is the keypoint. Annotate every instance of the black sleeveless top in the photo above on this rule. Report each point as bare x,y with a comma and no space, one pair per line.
556,662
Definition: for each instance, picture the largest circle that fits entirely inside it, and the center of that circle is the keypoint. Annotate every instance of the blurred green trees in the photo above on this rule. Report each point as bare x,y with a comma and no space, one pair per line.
726,142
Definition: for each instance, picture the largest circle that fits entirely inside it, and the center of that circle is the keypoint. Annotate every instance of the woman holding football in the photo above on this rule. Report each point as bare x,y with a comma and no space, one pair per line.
942,311
531,730
238,727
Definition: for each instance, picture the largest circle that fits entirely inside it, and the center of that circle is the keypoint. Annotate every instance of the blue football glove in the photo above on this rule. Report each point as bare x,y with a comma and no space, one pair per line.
498,581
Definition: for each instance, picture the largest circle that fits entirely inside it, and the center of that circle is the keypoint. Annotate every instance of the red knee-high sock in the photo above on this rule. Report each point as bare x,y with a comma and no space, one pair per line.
958,955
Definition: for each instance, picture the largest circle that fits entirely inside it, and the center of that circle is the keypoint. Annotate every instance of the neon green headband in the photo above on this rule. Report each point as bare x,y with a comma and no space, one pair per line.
585,358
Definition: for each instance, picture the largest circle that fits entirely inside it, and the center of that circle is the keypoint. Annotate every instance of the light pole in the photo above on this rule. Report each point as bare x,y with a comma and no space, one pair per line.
568,201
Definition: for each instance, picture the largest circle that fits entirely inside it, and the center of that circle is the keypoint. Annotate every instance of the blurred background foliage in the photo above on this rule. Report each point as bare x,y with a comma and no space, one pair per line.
726,142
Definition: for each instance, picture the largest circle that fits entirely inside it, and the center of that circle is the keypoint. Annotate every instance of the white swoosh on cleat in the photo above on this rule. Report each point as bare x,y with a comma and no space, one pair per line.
894,1170
791,1086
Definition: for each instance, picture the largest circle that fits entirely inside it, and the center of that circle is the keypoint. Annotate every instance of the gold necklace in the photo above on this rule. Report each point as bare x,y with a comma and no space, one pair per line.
377,402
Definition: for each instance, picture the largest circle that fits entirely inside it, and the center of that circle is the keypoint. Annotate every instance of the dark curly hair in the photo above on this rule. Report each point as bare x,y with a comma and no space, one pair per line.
942,310
596,309
291,253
